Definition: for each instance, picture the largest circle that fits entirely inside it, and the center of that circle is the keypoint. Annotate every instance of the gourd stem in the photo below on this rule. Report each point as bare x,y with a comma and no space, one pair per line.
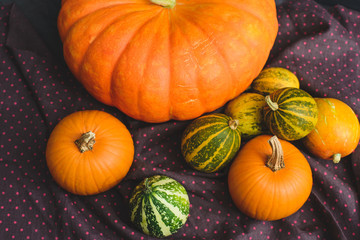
276,160
165,3
233,123
85,142
336,157
273,105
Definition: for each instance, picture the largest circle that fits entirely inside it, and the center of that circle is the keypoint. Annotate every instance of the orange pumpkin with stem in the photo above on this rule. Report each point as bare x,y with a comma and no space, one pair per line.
157,60
336,133
269,179
89,152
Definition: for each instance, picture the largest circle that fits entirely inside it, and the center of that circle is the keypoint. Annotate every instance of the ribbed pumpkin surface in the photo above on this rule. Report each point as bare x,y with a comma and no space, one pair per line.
159,206
262,193
296,115
156,63
95,170
248,110
209,143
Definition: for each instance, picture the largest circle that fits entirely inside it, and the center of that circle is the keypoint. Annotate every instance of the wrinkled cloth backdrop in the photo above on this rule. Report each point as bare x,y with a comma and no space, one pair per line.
320,45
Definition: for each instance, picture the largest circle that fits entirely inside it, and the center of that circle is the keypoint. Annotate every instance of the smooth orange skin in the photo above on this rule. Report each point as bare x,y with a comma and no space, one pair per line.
259,192
94,171
157,64
337,130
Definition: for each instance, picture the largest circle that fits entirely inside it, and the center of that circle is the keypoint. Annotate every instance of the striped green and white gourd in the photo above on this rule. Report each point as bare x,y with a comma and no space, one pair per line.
159,206
247,108
274,78
210,142
290,113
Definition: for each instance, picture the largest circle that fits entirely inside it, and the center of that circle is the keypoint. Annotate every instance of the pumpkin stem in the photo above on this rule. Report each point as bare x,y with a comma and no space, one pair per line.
233,123
276,160
165,3
337,157
273,105
86,142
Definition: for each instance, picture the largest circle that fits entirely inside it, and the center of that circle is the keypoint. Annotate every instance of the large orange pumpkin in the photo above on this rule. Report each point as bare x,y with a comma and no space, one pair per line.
336,133
89,152
157,60
269,179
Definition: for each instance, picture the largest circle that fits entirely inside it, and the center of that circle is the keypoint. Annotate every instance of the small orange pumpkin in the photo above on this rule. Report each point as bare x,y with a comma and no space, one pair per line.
337,131
157,60
269,179
89,152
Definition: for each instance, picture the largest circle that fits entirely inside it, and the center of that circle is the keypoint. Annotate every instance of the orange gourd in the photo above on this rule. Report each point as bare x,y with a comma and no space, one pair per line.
89,152
337,131
157,60
269,179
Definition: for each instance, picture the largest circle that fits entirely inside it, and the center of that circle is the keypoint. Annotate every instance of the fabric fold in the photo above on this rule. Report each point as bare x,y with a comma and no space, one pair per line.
320,45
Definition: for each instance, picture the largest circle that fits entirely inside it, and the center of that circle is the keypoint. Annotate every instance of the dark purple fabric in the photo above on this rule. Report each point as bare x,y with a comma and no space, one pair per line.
321,46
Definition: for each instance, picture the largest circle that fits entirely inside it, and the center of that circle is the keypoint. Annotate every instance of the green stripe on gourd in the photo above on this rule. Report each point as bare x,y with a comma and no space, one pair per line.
247,108
159,206
210,142
290,113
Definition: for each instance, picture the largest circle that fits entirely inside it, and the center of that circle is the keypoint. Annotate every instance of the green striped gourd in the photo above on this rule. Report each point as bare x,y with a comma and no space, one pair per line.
159,206
290,113
210,142
273,78
247,108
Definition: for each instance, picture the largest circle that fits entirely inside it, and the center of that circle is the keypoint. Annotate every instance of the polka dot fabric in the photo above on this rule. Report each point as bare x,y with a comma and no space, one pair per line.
320,45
